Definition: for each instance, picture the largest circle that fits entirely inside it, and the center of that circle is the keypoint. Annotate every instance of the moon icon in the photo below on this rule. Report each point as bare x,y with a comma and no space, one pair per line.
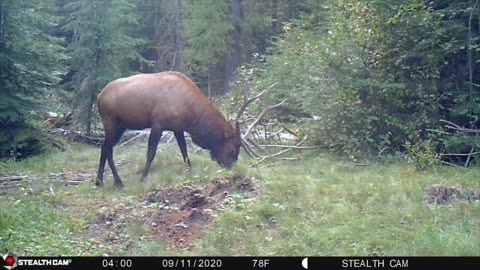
305,263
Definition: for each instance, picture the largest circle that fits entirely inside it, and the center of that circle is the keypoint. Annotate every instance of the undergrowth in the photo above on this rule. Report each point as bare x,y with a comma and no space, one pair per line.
319,205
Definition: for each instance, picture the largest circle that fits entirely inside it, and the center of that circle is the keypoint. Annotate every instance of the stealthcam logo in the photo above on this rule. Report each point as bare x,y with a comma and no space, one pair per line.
10,260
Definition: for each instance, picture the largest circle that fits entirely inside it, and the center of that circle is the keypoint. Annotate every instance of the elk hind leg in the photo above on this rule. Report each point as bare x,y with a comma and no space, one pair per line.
112,136
116,178
105,149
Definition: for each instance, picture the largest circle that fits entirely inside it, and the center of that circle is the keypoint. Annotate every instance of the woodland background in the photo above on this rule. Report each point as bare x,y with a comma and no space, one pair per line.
361,77
380,93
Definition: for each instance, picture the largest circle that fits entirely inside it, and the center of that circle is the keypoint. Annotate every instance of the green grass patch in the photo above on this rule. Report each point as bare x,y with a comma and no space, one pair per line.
320,205
38,226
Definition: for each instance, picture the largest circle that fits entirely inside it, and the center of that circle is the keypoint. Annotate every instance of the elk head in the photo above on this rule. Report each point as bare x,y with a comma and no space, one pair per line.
226,151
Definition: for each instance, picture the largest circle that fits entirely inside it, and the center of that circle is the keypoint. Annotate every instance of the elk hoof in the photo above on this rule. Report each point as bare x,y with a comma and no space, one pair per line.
119,185
99,183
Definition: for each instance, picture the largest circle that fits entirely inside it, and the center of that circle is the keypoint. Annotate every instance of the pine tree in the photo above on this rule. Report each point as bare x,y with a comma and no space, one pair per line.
207,29
29,68
161,26
101,50
234,57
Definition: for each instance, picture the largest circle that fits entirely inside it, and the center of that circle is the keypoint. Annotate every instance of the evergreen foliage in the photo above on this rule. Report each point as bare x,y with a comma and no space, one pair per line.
29,69
160,21
102,48
207,30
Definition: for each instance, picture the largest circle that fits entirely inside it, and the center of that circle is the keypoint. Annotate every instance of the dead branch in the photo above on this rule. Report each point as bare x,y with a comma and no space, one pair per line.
451,125
469,156
13,178
470,137
139,135
460,155
263,158
293,146
288,130
383,150
276,134
452,164
78,136
289,158
439,132
60,146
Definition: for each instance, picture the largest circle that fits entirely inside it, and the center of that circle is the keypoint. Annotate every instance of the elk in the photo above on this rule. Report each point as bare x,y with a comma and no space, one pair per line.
164,101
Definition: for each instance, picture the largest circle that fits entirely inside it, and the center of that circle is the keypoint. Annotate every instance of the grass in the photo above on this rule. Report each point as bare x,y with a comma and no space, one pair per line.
320,205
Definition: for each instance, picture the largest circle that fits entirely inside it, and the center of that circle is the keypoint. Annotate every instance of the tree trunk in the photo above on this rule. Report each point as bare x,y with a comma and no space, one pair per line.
234,58
178,60
469,61
90,104
275,29
159,63
1,22
169,43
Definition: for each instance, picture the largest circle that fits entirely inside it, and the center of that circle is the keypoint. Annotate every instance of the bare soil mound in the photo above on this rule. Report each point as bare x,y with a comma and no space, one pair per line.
185,212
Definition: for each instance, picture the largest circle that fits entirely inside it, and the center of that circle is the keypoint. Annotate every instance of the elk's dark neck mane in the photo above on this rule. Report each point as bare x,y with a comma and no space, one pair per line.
208,129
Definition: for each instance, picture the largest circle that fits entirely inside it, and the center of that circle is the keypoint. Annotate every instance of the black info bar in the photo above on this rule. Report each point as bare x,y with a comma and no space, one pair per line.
11,261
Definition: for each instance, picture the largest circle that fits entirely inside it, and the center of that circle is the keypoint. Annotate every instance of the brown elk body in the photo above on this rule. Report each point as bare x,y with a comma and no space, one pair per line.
164,101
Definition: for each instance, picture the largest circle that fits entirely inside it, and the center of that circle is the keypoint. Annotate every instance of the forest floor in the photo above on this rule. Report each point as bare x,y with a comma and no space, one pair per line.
317,205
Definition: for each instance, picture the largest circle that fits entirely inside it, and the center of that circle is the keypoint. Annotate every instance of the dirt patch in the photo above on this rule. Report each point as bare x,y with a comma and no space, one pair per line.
177,215
185,212
438,194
